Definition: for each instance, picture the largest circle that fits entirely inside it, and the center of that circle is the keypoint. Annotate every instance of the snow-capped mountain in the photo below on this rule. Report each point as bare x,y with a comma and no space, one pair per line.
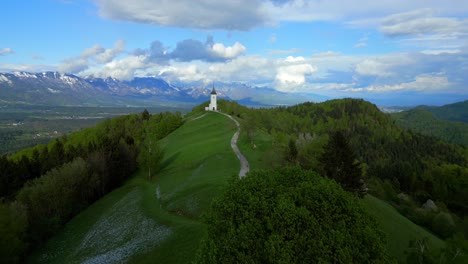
54,88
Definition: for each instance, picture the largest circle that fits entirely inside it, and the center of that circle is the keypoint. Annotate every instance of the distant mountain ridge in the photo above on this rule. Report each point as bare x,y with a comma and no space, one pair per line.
448,122
453,112
54,88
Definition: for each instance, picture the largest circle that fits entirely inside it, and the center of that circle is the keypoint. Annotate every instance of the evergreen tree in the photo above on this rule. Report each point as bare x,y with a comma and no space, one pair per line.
339,163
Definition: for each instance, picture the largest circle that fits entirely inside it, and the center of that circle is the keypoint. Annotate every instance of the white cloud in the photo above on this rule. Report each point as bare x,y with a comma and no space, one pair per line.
184,72
421,22
6,51
108,55
372,68
123,69
424,82
203,14
94,50
441,51
338,10
292,73
228,52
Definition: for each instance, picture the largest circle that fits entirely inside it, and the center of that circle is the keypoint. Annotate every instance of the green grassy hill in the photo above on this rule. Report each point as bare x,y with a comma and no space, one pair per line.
158,220
427,123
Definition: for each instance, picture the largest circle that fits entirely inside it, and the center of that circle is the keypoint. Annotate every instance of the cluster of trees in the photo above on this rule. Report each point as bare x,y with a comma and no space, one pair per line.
391,159
424,122
289,215
45,187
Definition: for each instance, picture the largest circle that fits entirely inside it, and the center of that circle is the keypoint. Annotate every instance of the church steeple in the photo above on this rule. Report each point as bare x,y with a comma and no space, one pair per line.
213,104
213,91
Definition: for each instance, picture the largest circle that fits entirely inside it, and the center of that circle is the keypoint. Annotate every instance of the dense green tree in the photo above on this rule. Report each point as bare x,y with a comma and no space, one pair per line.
145,115
291,151
290,216
12,232
151,156
340,163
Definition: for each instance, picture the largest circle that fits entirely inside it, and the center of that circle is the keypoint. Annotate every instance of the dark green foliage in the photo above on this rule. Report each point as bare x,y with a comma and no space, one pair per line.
339,163
54,198
455,252
65,177
290,216
145,115
13,225
424,122
393,159
454,112
291,152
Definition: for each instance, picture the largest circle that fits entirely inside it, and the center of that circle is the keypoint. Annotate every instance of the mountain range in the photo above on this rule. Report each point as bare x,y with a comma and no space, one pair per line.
54,88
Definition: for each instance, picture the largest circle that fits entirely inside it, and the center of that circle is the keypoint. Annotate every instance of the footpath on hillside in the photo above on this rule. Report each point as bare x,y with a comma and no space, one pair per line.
245,167
244,163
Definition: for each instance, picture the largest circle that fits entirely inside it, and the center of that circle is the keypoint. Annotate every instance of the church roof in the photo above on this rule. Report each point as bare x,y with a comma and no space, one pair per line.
213,91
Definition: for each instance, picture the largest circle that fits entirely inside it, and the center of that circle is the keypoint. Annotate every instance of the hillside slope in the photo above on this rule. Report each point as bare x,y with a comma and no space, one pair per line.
454,112
146,220
425,122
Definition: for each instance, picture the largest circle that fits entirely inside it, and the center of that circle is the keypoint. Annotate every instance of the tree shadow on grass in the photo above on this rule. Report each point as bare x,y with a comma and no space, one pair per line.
169,160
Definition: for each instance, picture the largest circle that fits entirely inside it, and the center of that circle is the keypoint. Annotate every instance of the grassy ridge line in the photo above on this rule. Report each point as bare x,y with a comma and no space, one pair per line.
120,227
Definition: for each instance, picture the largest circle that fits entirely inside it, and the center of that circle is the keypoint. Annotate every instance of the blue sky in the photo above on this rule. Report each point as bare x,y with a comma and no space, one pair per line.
407,51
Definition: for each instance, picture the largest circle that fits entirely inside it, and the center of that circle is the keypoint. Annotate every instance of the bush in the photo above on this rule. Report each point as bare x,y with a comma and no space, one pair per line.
443,225
290,216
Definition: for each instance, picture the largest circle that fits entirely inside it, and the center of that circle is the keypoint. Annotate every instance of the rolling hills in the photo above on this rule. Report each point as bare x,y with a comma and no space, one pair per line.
449,122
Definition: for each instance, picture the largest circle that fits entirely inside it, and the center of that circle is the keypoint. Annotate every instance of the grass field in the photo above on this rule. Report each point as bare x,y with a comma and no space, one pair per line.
158,220
399,229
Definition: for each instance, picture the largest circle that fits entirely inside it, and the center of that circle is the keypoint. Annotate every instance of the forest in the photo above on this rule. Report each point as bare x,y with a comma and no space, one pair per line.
43,187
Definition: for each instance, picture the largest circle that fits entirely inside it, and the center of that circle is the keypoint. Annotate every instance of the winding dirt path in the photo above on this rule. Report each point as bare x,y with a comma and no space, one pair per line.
245,167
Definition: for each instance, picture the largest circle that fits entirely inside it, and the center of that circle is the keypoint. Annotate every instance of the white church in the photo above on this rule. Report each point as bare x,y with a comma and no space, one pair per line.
213,105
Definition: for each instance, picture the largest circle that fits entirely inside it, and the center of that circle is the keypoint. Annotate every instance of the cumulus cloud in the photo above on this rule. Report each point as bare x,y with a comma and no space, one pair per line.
192,50
292,73
202,14
228,52
123,69
6,51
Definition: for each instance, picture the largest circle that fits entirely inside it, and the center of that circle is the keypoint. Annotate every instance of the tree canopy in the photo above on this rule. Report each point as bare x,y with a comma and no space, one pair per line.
290,215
